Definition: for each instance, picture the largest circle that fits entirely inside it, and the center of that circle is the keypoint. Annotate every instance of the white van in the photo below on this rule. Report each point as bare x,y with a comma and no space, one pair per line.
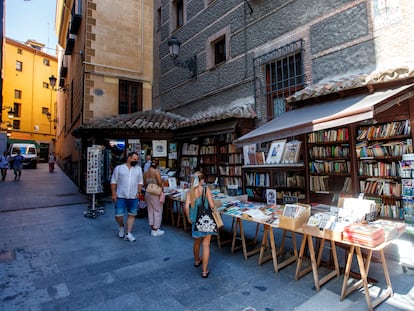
28,151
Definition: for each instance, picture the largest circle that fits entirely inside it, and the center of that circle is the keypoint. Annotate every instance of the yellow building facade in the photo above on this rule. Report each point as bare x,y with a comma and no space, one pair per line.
28,94
105,67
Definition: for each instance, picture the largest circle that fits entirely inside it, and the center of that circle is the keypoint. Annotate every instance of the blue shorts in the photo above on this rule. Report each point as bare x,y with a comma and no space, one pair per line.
129,205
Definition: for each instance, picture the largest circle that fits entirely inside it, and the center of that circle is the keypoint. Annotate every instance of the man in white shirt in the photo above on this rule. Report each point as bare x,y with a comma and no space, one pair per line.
126,187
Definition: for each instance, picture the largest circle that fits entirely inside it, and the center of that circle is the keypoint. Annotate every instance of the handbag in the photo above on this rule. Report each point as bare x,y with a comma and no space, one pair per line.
153,189
217,219
205,221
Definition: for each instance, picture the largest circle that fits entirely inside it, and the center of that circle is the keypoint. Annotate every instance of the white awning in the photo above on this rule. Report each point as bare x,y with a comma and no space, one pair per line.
325,115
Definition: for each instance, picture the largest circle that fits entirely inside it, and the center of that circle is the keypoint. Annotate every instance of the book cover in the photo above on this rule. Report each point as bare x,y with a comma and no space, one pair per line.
291,153
249,153
276,152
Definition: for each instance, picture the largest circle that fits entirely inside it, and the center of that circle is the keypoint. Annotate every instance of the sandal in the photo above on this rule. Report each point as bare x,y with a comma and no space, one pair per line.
197,263
204,274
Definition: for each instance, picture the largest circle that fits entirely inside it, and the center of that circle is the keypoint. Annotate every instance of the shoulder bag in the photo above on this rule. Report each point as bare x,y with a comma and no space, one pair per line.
205,220
153,189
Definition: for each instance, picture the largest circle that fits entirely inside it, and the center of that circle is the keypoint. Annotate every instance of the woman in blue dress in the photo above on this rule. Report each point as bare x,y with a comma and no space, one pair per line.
194,198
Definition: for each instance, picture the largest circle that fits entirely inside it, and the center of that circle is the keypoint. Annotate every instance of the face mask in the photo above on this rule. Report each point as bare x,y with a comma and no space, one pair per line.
134,163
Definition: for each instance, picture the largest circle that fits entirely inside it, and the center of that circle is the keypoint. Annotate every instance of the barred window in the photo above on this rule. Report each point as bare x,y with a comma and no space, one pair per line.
283,76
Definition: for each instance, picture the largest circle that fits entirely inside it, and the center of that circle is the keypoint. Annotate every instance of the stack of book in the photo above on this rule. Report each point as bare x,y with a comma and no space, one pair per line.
364,234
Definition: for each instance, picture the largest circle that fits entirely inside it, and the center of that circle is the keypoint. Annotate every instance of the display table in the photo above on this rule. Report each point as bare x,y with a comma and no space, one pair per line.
324,237
267,249
364,269
316,261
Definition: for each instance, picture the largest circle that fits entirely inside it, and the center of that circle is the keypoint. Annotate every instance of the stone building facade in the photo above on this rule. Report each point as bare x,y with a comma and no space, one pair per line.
105,67
333,39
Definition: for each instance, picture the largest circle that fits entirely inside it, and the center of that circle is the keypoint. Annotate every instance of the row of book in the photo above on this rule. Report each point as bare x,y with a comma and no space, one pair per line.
235,158
323,184
320,167
391,129
284,179
189,162
211,149
380,187
226,181
230,170
230,148
258,179
332,135
383,149
334,151
378,169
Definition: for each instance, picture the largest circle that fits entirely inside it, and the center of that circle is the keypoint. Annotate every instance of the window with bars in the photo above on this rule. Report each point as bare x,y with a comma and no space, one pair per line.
130,96
281,74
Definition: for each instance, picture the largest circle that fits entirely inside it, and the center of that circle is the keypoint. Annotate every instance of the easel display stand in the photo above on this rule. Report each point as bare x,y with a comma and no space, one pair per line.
94,175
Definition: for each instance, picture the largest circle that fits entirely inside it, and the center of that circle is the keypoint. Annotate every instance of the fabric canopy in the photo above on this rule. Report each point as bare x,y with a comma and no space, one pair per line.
330,114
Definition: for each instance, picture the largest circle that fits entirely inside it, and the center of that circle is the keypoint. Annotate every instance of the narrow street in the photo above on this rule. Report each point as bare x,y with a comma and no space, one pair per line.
54,258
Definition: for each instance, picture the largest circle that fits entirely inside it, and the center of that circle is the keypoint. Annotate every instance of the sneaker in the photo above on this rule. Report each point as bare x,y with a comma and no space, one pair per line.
157,232
121,232
129,237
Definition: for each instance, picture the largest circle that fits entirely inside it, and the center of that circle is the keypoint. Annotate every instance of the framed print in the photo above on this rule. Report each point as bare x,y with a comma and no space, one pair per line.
276,152
159,148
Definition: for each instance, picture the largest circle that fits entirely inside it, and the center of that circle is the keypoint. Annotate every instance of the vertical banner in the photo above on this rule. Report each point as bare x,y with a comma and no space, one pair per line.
94,170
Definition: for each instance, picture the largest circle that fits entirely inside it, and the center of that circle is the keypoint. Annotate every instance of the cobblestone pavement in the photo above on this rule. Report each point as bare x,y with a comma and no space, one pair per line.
54,258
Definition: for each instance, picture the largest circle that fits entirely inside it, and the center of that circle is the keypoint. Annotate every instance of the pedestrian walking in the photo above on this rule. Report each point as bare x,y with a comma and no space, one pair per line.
194,199
52,160
4,164
17,160
153,200
126,187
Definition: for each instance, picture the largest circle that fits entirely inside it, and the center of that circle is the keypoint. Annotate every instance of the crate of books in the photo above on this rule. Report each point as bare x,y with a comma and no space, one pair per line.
294,216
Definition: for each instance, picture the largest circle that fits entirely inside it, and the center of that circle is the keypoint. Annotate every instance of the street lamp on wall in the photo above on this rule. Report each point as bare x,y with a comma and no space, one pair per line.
52,81
189,63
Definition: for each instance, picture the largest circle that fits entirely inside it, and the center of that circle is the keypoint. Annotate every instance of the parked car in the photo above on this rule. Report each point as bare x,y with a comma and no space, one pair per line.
28,151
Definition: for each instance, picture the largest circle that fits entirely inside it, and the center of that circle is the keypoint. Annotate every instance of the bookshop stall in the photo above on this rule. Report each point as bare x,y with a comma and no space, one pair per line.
209,148
345,147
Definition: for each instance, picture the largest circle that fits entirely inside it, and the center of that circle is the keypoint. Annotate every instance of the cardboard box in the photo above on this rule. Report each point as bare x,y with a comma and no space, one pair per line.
327,234
291,223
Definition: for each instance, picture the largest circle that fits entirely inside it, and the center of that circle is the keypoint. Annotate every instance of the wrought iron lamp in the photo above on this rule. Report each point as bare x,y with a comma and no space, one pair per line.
189,63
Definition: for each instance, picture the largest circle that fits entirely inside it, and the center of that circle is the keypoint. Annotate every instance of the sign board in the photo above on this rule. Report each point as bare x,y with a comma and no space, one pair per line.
290,199
94,169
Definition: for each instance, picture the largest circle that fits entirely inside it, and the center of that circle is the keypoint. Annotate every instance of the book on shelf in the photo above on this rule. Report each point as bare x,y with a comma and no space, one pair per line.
249,154
260,158
276,152
190,149
292,151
